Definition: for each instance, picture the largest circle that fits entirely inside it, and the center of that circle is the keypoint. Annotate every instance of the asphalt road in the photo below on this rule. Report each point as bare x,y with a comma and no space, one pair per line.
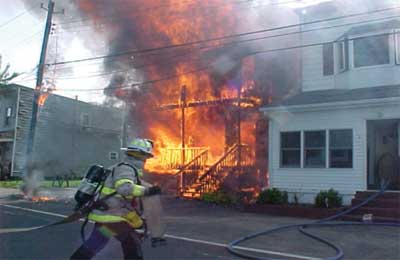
195,231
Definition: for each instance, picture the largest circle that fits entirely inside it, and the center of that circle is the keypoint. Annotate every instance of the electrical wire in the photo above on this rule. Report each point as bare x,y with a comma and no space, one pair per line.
130,52
210,65
17,16
167,60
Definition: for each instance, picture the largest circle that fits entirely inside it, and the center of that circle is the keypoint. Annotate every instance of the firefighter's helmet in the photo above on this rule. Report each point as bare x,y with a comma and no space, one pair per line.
140,148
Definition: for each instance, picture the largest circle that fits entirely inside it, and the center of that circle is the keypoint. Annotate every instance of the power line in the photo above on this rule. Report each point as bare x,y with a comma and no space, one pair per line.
222,37
209,66
14,18
23,40
230,43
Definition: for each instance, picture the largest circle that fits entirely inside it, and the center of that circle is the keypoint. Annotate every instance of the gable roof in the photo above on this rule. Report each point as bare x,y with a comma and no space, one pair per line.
339,95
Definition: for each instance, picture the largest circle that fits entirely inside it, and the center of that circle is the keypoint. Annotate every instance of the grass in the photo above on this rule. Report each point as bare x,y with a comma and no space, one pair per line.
47,184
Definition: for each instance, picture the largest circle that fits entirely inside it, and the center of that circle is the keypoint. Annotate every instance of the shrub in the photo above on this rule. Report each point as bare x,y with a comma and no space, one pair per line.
272,196
328,199
217,197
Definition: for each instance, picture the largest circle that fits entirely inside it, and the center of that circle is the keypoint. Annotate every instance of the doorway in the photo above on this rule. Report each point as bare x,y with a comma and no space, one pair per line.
383,150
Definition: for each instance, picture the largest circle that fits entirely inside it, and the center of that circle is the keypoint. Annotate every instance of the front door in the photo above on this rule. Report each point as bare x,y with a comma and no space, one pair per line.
383,152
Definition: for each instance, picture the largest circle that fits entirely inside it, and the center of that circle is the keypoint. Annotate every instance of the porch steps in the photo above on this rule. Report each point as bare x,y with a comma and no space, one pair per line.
385,208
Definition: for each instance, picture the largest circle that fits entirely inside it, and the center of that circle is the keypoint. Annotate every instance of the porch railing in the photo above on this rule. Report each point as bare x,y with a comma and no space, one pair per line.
189,173
171,158
237,156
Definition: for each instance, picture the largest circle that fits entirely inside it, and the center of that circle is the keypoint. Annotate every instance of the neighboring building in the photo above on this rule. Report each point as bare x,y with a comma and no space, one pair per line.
70,134
346,118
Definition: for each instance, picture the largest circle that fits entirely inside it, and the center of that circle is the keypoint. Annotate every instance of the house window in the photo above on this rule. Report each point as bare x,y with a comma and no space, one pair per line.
8,116
113,156
370,51
85,120
290,149
327,55
314,149
343,55
397,44
341,148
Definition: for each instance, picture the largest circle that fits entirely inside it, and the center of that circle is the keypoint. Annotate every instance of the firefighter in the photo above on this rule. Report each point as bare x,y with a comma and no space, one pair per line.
118,217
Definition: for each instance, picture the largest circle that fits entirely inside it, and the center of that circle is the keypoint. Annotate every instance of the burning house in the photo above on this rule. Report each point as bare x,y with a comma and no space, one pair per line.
197,99
70,134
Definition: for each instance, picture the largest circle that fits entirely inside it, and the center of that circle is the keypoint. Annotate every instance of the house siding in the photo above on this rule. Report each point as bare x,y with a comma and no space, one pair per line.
73,144
307,182
62,143
312,60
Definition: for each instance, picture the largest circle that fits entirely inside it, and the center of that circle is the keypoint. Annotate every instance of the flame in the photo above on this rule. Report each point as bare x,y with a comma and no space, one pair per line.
176,23
40,198
42,98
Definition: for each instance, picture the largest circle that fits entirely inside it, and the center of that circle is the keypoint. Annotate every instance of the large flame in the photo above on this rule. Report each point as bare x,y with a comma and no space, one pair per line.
218,73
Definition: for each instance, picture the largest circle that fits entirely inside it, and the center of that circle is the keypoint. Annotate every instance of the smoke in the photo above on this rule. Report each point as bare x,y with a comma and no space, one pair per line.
31,183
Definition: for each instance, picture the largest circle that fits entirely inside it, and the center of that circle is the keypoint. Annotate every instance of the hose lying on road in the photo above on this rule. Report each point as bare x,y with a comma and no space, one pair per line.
16,230
77,215
320,223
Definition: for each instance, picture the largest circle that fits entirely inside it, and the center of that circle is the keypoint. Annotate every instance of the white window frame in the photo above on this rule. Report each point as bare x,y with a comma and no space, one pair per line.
341,53
396,48
281,150
304,149
379,33
329,148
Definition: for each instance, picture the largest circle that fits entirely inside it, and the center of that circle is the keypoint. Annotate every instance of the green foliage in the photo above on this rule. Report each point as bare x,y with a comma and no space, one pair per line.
5,75
45,184
328,199
217,197
272,196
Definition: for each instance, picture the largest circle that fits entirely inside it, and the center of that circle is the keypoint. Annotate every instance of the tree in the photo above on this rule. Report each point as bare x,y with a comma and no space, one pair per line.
5,75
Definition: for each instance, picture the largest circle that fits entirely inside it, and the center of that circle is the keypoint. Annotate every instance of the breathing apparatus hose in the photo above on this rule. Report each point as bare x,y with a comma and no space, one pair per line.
320,223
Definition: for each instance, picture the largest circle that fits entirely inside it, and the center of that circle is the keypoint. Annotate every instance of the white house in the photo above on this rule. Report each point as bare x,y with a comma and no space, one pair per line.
346,115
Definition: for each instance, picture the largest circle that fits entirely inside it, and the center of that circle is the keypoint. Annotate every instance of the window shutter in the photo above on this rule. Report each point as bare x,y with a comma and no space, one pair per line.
328,59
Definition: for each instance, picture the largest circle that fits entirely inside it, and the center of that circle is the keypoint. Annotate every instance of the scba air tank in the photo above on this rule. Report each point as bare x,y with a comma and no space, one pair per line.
90,184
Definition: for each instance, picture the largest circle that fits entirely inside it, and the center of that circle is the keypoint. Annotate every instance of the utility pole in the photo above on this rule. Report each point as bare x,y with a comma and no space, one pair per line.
239,119
39,79
183,105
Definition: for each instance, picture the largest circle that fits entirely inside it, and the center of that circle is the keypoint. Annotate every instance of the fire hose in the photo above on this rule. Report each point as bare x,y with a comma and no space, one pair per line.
319,223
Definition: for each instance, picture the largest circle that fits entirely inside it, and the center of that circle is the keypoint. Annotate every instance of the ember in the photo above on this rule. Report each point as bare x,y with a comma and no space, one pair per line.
40,198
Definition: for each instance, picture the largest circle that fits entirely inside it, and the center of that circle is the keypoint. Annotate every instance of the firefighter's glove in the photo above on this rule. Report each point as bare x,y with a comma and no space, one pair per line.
153,190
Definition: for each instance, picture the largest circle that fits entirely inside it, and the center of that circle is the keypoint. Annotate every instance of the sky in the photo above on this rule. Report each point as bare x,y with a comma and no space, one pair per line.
22,25
22,29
